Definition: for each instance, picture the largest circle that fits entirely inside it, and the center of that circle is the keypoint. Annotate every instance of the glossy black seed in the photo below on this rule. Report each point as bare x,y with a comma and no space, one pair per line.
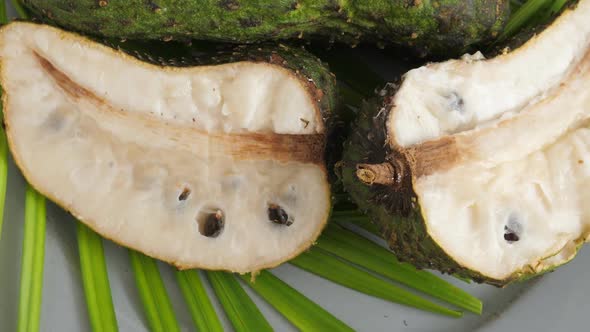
511,237
277,215
212,225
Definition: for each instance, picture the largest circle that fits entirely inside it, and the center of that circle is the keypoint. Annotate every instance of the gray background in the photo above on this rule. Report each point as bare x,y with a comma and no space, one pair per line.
553,302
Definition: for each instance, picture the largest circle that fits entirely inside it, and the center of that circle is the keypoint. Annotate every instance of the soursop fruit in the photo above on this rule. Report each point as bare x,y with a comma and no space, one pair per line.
480,167
441,27
217,167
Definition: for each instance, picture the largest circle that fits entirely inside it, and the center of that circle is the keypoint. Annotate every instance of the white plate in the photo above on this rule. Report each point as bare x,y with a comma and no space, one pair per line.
551,303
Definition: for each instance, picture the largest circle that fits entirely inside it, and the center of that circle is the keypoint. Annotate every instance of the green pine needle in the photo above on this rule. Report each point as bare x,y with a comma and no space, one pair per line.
31,277
305,314
199,305
239,307
156,303
319,262
371,256
96,281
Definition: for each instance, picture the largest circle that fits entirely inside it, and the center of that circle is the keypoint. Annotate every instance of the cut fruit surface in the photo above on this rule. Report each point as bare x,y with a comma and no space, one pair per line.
217,167
480,167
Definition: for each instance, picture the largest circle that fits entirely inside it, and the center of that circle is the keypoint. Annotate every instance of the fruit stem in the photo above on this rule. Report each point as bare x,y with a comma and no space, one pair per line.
384,174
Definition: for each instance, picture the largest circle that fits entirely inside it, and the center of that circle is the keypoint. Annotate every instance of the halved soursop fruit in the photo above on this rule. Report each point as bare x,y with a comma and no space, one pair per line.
481,167
217,167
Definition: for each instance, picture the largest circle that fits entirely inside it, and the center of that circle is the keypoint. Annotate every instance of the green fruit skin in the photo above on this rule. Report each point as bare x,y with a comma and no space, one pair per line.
430,27
398,216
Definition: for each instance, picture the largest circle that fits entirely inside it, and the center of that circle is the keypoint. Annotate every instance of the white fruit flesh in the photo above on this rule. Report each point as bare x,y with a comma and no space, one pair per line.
458,95
145,155
509,193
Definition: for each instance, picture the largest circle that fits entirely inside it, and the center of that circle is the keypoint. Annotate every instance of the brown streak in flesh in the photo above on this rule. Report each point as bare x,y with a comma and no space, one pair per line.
65,83
446,152
434,156
250,146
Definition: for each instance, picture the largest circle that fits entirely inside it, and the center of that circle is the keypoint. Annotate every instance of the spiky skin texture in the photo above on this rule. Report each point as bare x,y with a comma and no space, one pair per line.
397,212
429,27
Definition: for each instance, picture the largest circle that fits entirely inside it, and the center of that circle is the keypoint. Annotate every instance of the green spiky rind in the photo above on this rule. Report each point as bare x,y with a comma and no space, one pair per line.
430,27
398,213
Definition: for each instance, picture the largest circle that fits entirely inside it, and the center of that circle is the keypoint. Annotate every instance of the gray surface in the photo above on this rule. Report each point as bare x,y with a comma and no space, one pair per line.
554,302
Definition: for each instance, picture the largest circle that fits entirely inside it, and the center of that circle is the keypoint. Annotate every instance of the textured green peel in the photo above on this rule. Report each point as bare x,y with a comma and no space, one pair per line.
31,277
199,305
444,26
156,303
327,266
101,311
298,309
239,308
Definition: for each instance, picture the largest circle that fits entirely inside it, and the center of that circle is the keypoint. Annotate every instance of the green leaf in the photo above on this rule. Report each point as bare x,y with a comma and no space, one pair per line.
553,10
305,314
3,16
522,17
3,143
31,277
156,303
357,218
3,170
20,10
240,309
319,262
200,307
96,281
371,256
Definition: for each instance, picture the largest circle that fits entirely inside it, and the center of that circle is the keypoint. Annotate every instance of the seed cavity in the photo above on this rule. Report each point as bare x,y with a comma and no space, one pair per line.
55,122
512,229
211,222
186,192
277,215
456,103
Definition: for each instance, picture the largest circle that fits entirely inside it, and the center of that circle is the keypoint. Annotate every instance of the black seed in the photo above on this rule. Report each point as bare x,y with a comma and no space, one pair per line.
277,215
513,229
184,194
511,237
212,225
